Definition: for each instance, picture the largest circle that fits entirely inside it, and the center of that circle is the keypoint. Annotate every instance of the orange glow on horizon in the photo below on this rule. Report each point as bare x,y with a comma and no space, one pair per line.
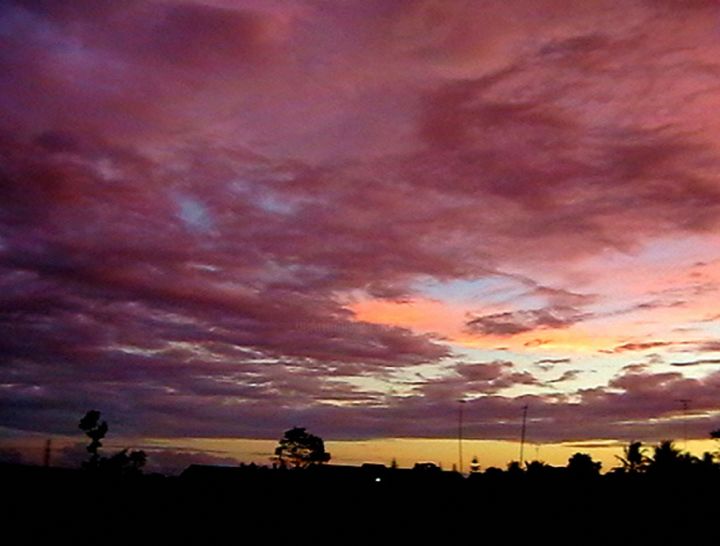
405,451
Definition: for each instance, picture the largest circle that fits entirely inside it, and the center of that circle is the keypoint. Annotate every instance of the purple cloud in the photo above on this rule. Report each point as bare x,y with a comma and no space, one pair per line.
192,195
518,322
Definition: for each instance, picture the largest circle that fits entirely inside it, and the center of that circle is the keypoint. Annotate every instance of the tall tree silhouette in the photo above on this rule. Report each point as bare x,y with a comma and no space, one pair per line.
634,459
123,462
666,459
300,449
96,431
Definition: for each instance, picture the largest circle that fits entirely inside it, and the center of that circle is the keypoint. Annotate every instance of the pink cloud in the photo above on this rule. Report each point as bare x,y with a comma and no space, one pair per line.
193,193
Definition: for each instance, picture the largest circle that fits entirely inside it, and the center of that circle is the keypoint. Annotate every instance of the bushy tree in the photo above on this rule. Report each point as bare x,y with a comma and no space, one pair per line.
300,449
716,435
582,466
666,455
514,468
668,460
537,469
123,462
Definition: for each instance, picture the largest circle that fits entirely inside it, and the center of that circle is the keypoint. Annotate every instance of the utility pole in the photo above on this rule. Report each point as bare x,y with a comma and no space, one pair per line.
460,433
47,453
685,404
522,435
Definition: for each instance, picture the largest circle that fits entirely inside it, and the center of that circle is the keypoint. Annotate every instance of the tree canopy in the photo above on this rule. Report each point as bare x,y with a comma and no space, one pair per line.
300,449
96,431
582,465
634,459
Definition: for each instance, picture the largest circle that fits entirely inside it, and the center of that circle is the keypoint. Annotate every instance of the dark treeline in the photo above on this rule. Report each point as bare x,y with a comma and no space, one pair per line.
654,493
658,492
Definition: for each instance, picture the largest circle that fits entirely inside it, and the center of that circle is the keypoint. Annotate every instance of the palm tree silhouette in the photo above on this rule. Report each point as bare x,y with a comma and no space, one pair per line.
634,459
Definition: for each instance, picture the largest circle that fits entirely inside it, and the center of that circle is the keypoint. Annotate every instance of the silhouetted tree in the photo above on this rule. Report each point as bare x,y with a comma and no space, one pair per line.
581,465
707,460
300,449
123,462
667,458
96,431
514,468
537,469
716,435
634,459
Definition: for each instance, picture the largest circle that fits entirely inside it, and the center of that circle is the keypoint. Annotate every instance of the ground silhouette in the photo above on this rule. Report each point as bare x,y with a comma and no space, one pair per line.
668,495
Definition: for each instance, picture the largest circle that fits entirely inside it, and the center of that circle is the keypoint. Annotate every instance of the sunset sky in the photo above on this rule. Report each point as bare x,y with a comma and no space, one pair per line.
221,219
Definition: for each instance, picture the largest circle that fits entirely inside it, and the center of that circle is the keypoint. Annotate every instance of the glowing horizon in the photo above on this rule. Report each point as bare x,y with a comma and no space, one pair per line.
172,455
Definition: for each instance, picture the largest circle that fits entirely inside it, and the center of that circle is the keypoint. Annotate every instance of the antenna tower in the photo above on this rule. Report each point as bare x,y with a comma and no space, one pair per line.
522,435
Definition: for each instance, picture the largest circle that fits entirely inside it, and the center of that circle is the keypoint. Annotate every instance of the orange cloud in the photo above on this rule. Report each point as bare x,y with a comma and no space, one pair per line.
423,315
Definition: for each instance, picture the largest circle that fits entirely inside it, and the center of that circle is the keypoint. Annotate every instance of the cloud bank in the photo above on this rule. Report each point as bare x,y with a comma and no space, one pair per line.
193,194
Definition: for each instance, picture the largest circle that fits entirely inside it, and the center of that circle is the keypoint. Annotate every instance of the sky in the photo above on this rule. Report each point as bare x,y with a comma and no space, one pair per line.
222,219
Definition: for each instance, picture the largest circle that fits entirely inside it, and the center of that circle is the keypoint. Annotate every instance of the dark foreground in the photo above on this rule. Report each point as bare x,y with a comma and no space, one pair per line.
340,505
